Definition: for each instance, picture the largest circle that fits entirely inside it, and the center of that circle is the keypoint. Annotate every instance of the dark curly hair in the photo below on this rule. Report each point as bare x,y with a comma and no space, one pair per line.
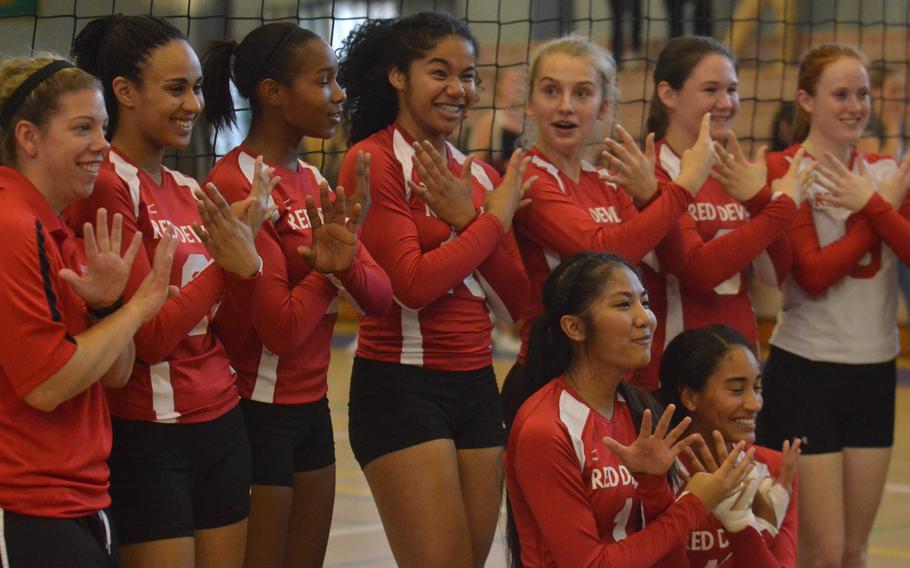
374,48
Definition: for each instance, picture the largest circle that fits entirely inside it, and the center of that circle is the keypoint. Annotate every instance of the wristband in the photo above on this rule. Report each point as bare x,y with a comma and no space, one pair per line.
101,313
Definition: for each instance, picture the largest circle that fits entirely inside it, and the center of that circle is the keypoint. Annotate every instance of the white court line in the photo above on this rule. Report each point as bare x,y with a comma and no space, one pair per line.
360,529
898,487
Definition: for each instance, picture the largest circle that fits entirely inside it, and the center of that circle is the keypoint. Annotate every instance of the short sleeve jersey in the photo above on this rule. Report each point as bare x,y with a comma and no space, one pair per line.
52,464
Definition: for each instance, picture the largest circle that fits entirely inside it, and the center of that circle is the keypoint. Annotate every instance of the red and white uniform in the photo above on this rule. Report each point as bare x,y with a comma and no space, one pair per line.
285,358
567,217
705,263
446,286
711,546
182,373
840,301
574,502
52,464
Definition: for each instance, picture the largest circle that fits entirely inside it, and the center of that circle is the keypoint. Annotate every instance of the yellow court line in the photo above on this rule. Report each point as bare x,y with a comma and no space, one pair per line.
348,473
353,490
889,552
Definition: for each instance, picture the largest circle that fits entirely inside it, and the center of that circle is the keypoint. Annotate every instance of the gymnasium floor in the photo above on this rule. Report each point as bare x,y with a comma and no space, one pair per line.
357,538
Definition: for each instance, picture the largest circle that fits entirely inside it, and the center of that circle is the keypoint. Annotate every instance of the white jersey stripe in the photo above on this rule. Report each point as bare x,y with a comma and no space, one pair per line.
266,377
4,557
673,325
411,337
495,303
404,153
247,165
130,174
163,393
574,414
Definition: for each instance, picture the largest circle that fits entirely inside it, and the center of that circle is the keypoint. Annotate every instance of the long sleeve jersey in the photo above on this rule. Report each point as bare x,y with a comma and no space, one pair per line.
284,359
566,217
575,503
840,301
711,546
704,264
446,286
182,372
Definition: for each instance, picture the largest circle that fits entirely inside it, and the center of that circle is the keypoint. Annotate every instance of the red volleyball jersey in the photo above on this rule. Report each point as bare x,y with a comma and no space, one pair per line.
840,303
567,217
574,502
706,262
446,285
182,372
711,546
284,359
52,464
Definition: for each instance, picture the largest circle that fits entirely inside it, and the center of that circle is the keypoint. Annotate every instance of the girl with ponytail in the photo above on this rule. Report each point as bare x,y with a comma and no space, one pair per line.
736,224
180,459
66,336
712,376
582,462
425,415
574,206
831,373
288,75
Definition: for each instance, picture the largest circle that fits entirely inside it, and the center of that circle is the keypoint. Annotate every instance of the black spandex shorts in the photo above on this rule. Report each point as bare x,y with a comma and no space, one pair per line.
170,480
395,406
288,438
831,406
42,542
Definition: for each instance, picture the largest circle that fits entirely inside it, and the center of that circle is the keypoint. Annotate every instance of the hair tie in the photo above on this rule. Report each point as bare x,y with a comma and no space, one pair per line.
27,86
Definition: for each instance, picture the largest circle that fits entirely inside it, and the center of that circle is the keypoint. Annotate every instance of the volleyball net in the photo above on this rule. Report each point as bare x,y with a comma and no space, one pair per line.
768,36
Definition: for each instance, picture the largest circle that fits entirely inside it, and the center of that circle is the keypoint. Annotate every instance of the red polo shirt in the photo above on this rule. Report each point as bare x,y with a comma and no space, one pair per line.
52,464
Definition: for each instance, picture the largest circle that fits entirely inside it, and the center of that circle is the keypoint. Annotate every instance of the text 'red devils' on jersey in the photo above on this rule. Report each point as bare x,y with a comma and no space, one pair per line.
182,372
285,358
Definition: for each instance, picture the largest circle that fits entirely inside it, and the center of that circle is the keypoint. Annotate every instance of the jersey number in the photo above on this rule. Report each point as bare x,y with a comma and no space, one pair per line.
870,264
195,263
621,520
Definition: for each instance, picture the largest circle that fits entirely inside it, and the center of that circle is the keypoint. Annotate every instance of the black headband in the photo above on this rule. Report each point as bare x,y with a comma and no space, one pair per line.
274,55
27,86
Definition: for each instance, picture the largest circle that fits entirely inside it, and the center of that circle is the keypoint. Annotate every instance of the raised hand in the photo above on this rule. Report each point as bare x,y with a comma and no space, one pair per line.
774,494
712,488
795,183
106,270
361,194
334,235
629,167
506,198
696,162
257,208
228,239
741,178
154,289
449,197
653,453
894,189
845,189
